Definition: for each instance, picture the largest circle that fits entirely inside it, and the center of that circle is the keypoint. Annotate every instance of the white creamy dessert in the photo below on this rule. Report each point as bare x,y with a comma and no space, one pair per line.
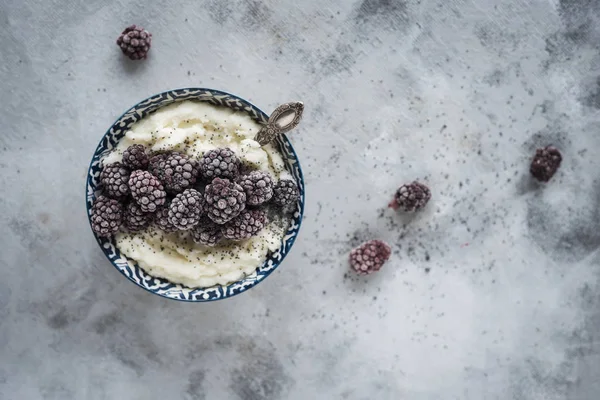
193,128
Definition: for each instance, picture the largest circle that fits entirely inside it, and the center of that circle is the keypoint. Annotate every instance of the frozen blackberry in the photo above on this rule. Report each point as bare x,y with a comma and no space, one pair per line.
185,209
147,190
220,163
161,219
135,157
156,164
245,225
285,193
178,172
258,186
545,163
369,257
207,232
135,42
225,200
134,218
107,215
411,197
114,179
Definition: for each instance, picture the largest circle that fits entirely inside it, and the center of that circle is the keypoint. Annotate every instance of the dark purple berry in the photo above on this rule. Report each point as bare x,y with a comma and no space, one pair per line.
147,190
411,197
135,42
258,186
225,200
135,157
245,225
207,232
107,215
178,172
219,163
161,219
156,164
369,257
135,219
185,209
545,163
114,178
285,193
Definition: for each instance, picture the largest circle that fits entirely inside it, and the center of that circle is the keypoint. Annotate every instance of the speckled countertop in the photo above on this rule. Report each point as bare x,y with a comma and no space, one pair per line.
492,293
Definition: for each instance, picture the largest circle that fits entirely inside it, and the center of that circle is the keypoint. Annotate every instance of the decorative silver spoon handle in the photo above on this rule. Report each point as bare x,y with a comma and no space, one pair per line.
285,118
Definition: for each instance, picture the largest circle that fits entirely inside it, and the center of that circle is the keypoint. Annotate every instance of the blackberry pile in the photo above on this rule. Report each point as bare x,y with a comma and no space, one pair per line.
164,190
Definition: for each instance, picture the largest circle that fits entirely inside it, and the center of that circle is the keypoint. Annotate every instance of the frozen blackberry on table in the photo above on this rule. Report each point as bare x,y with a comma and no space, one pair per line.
411,197
545,163
135,157
134,218
186,209
207,232
178,172
225,200
114,178
258,186
369,257
135,42
245,225
220,163
285,193
161,219
147,190
107,216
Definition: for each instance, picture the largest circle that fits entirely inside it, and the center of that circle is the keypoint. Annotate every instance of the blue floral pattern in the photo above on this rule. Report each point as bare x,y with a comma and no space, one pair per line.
128,267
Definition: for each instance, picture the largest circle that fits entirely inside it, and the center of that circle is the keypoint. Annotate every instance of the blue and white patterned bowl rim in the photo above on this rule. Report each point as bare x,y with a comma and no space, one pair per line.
129,268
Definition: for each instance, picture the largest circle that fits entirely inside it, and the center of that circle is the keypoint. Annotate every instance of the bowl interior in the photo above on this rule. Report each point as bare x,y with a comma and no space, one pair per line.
130,268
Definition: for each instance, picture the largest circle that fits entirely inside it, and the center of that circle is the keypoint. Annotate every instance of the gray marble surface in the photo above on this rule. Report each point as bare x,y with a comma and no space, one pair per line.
492,293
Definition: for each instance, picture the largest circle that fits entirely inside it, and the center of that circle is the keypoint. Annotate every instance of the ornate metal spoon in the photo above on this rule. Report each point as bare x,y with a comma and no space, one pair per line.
285,118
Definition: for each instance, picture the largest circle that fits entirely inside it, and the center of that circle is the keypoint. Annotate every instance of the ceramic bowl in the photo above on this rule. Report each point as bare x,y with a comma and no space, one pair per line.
130,268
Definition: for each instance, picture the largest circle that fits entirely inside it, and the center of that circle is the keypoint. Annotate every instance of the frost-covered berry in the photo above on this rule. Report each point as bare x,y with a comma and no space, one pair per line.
134,218
161,219
147,190
285,192
220,163
258,186
135,42
178,172
245,225
225,200
411,197
135,157
207,232
185,209
114,178
107,215
545,163
369,257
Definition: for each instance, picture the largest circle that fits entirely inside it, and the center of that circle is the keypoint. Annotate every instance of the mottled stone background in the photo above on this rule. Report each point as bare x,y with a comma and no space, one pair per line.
492,293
